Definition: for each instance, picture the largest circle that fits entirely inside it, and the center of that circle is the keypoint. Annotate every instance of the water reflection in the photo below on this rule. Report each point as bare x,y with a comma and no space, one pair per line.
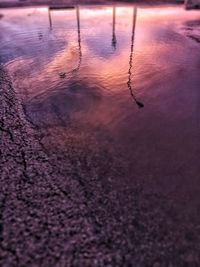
140,104
79,38
192,30
114,39
63,74
50,20
56,8
96,51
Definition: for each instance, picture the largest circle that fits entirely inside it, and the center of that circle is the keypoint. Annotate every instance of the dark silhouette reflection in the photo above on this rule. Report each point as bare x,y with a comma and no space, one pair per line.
63,74
114,40
140,104
50,20
56,8
79,39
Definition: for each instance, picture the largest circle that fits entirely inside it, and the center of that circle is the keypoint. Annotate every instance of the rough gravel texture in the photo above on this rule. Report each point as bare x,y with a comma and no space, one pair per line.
60,210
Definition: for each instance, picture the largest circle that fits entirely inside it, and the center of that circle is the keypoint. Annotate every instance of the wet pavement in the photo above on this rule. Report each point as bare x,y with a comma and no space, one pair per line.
88,178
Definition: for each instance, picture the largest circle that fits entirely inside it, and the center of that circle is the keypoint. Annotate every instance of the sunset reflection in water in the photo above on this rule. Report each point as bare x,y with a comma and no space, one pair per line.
86,65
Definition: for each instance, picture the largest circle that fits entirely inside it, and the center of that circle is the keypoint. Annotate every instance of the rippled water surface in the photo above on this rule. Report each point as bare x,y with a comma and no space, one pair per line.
117,78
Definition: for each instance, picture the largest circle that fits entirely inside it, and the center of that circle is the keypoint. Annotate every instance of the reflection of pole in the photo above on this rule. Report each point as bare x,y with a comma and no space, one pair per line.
79,38
63,74
140,105
50,20
114,40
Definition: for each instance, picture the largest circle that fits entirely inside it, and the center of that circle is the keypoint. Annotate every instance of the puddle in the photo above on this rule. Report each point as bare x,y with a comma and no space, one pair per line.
125,78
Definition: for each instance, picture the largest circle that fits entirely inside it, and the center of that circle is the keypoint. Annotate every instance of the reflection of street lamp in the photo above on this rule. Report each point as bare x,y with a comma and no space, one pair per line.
50,20
140,104
63,74
58,7
114,40
79,39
